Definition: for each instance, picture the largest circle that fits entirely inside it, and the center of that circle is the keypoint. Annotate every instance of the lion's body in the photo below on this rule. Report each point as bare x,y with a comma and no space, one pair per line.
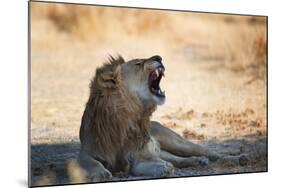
116,132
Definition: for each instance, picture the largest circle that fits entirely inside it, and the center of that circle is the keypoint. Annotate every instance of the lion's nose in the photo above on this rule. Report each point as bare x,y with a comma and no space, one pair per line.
156,58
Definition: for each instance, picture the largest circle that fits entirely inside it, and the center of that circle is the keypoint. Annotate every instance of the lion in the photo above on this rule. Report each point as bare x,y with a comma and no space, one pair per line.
116,132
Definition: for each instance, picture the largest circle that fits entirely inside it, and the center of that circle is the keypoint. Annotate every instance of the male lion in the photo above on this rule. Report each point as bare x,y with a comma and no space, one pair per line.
116,132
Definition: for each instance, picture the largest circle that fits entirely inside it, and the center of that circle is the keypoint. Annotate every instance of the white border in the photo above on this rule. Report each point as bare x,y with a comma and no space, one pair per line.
13,81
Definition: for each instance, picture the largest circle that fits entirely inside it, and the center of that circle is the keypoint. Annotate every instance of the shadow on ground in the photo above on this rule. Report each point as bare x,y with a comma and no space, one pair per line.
49,162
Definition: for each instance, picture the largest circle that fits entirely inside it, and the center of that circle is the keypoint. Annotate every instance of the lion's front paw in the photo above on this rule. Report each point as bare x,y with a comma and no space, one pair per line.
168,170
102,175
202,161
164,169
153,169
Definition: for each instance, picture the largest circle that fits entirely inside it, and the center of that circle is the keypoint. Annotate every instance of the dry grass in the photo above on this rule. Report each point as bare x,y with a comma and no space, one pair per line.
238,41
215,74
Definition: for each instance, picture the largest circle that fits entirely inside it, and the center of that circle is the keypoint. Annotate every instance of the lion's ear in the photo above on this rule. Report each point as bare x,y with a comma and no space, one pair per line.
116,61
109,76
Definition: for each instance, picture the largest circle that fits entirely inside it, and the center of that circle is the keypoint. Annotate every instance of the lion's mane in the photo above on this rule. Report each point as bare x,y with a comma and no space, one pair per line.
114,122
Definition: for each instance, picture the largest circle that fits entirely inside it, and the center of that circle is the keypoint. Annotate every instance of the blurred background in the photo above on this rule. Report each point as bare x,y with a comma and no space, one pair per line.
215,73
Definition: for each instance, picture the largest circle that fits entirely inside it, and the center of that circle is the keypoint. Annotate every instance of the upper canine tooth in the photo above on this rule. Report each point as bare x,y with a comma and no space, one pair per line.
157,73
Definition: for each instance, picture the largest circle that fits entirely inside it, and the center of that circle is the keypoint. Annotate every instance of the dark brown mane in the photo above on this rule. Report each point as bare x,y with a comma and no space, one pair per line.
114,122
116,61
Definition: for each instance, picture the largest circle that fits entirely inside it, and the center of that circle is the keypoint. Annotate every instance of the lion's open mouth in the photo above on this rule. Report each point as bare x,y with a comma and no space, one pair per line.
154,81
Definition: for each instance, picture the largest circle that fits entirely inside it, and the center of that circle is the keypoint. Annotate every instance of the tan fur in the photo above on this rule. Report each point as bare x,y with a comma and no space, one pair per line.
116,133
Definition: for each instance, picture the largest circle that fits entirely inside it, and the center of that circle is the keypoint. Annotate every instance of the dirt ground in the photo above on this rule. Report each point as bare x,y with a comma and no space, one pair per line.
215,81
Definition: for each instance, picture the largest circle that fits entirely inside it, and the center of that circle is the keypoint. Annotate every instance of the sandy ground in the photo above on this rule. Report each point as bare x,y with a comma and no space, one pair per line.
209,100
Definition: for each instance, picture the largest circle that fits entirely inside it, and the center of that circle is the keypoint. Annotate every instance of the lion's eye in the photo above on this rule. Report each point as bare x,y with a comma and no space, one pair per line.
139,62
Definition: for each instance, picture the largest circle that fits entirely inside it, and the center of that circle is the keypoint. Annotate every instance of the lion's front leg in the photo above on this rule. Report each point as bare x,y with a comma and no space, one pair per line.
95,171
147,162
182,162
152,168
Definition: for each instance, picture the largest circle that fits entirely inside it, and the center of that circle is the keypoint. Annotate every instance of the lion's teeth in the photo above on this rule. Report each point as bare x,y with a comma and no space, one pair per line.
157,73
161,69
